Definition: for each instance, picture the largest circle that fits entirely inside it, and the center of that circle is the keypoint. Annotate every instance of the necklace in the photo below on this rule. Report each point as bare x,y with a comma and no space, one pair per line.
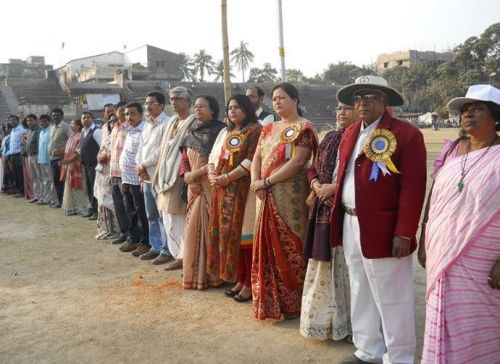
463,163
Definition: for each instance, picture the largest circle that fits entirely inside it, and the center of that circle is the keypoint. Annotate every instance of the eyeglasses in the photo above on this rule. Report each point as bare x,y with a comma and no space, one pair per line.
199,107
370,98
151,103
343,108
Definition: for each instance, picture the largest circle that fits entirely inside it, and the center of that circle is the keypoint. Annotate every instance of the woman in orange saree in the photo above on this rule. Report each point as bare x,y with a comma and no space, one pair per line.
230,181
279,178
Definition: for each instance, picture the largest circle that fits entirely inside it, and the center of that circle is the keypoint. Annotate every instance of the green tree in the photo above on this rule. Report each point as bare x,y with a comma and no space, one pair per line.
265,74
342,73
477,60
242,57
203,64
295,76
412,83
186,68
219,71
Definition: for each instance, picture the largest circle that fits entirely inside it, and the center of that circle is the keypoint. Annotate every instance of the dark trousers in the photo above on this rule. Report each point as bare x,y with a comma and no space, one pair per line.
118,202
89,172
134,203
56,175
17,170
9,181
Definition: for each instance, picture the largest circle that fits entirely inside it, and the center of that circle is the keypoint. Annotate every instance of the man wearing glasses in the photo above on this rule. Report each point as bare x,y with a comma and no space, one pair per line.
380,192
167,181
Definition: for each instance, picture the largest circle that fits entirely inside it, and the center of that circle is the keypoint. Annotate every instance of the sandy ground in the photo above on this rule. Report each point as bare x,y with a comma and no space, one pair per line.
67,298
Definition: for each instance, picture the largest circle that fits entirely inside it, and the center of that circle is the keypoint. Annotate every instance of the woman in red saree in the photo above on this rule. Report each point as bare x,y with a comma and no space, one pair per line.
279,179
230,181
75,200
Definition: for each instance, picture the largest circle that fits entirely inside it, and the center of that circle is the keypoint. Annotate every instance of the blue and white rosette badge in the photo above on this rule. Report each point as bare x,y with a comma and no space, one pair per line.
379,149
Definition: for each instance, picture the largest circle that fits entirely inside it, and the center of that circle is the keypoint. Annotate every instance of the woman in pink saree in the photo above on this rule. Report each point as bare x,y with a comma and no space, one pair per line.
462,238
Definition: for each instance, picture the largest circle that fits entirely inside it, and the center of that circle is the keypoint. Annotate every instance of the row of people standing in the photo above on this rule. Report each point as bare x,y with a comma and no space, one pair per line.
217,189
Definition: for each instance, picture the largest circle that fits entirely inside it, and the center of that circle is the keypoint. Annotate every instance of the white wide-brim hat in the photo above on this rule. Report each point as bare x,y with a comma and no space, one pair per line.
475,93
370,82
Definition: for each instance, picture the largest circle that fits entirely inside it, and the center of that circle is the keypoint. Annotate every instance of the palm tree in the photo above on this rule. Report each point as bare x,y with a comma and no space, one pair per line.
186,68
242,57
203,63
219,71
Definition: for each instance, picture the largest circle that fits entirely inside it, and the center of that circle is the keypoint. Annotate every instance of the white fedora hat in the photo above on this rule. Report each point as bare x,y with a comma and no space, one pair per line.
370,82
475,93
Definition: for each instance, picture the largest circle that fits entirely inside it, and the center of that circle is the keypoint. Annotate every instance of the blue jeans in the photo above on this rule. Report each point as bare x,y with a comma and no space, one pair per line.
157,236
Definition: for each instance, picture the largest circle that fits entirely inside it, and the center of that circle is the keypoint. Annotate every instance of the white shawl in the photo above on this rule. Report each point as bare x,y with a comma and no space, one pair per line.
167,170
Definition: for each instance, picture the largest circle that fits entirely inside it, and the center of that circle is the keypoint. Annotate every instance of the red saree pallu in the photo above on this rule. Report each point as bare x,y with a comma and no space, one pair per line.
74,168
279,266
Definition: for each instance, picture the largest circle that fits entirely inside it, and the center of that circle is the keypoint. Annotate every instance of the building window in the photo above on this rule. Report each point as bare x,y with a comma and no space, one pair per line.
400,63
386,64
160,64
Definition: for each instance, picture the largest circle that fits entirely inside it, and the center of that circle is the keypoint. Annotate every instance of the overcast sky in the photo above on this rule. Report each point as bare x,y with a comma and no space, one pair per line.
316,32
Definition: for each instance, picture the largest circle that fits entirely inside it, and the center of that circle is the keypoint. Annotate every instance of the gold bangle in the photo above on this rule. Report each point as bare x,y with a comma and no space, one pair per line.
227,178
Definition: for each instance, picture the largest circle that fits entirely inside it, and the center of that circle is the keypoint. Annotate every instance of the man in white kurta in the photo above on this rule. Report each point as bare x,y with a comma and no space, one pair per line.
167,181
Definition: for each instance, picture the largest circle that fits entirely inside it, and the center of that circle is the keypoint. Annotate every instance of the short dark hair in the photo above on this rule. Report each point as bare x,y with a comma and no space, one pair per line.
13,116
32,116
247,107
58,110
78,122
495,112
291,91
120,104
45,117
136,105
212,104
260,91
160,97
109,104
89,113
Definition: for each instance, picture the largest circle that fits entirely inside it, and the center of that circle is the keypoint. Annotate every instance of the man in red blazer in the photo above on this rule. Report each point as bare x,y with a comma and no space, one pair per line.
380,191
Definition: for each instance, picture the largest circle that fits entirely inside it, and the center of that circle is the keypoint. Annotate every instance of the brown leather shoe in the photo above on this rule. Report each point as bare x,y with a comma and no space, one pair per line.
149,255
162,259
140,250
353,359
174,265
128,247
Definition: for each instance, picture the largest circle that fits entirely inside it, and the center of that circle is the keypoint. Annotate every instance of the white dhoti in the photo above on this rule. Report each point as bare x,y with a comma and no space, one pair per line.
174,226
382,302
47,190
